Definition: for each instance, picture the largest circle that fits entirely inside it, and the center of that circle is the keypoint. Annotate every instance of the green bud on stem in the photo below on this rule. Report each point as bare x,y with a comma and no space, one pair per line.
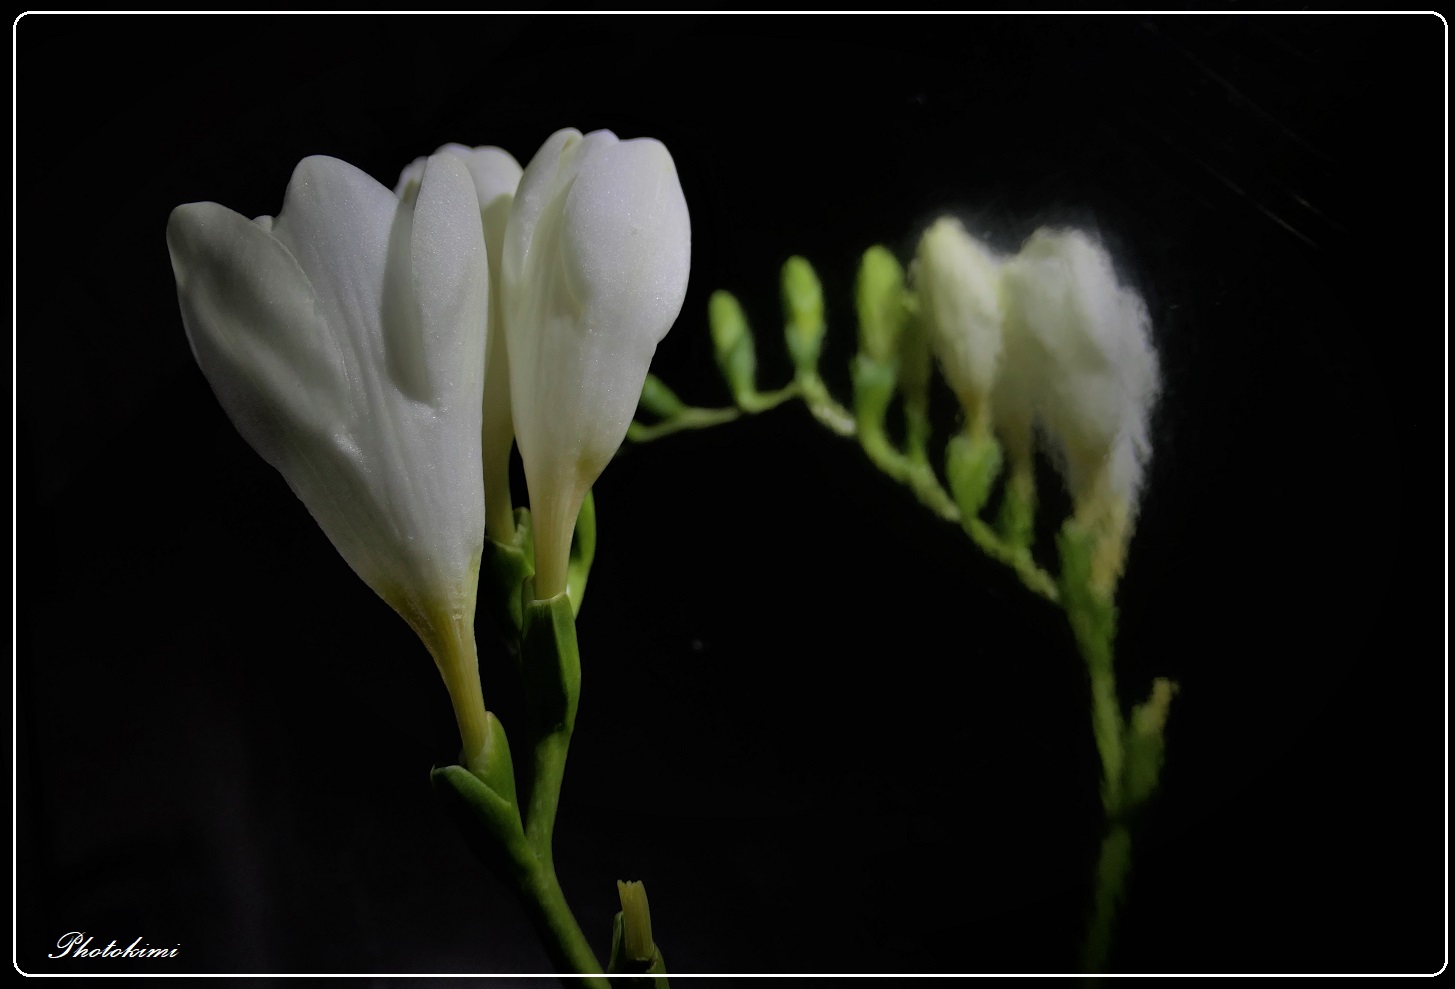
803,313
732,341
879,298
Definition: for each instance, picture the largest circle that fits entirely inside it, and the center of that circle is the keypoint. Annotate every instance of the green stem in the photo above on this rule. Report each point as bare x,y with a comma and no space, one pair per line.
1112,868
927,488
827,411
755,402
548,767
569,949
1033,577
691,418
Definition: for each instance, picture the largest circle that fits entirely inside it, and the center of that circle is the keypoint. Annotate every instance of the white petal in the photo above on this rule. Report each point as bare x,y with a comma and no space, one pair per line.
278,369
256,332
537,184
596,261
496,175
336,220
451,284
408,185
1091,337
958,280
346,343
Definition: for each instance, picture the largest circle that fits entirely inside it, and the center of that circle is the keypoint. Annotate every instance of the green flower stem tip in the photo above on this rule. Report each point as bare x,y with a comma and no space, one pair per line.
504,570
635,958
1145,747
551,662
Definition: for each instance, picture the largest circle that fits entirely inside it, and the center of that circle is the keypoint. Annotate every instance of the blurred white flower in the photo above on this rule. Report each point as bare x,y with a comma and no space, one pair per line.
1079,350
594,272
496,174
346,341
958,281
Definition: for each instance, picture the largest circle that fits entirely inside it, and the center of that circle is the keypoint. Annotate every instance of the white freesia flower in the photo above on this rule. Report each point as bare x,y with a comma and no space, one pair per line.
958,281
346,341
496,174
1081,342
594,271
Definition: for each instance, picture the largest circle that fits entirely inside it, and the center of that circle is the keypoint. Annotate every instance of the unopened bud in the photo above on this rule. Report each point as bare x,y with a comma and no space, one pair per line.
879,297
803,313
732,340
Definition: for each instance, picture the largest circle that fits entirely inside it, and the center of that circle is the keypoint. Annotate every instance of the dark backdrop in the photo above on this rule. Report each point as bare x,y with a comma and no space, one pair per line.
827,733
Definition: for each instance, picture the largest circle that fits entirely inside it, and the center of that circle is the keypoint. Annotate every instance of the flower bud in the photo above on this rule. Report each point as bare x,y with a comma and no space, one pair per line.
594,271
879,297
803,313
958,284
732,341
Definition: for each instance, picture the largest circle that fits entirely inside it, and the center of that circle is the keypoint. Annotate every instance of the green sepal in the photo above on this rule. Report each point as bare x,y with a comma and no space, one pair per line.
583,552
1093,619
1093,616
803,314
660,400
633,973
879,299
551,663
504,570
468,795
972,463
635,958
626,972
732,343
1145,746
1017,519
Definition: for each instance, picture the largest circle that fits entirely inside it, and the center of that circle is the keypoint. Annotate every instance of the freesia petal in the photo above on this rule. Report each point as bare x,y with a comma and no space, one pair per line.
407,187
496,175
1091,337
595,269
451,286
537,185
255,330
336,220
959,285
260,337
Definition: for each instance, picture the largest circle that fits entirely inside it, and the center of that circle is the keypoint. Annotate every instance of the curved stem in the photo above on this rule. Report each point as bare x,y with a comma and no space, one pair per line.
763,401
688,419
569,948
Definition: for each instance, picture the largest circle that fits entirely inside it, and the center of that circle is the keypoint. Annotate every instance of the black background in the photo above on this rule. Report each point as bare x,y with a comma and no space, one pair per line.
827,733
